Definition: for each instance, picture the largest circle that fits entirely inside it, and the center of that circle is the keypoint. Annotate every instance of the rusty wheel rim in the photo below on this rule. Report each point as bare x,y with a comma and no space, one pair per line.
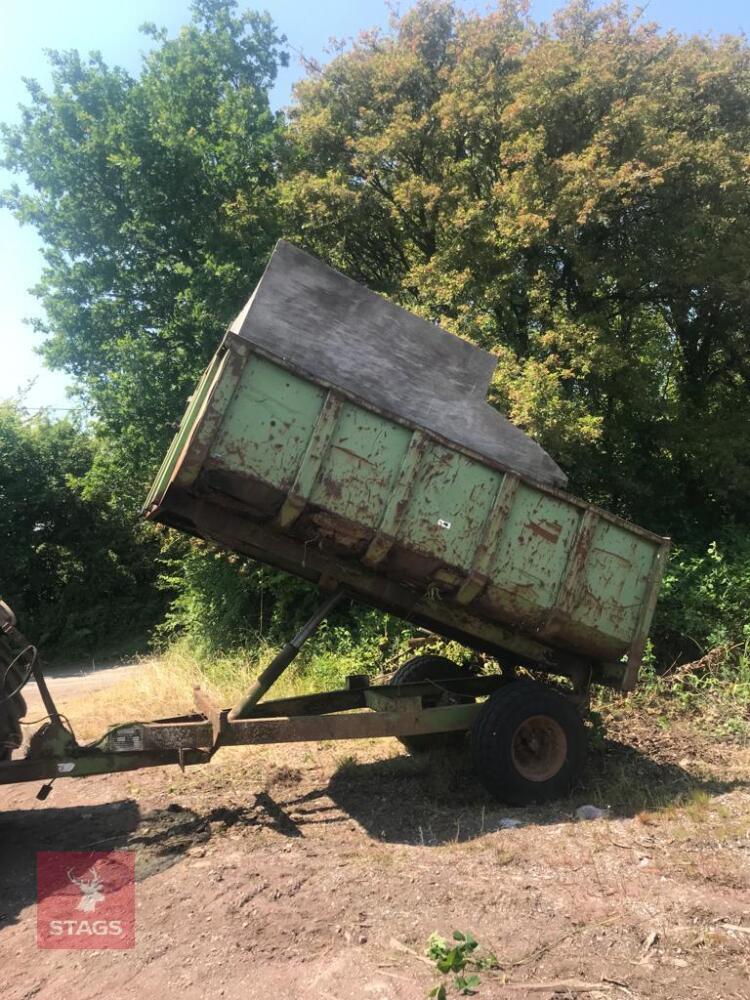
539,748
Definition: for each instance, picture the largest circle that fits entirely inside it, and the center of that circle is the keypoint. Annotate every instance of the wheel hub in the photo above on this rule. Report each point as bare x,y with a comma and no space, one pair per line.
539,748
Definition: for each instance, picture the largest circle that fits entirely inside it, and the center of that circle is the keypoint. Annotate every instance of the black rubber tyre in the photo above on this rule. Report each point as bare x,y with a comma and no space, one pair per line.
430,667
12,704
528,744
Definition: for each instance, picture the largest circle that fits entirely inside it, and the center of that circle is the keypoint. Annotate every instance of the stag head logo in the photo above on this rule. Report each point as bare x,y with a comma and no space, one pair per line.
91,889
86,899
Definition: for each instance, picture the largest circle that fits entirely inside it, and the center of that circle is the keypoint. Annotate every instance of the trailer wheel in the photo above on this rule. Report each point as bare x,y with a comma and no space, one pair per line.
528,744
430,667
12,704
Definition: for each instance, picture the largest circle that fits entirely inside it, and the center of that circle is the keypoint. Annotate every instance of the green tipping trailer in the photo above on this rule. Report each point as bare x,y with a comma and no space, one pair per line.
288,453
344,440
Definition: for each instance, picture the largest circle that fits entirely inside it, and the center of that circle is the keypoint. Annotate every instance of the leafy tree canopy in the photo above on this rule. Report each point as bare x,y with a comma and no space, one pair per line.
74,568
154,198
574,197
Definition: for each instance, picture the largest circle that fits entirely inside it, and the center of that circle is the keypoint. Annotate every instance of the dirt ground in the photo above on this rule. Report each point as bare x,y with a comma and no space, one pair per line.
319,871
69,682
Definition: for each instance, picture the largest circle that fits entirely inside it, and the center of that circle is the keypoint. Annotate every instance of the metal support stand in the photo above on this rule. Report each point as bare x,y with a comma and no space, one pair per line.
44,692
281,661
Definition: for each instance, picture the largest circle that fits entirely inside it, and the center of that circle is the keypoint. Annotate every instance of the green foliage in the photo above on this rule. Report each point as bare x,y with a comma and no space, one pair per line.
575,198
154,198
705,600
457,958
698,659
74,570
714,689
224,602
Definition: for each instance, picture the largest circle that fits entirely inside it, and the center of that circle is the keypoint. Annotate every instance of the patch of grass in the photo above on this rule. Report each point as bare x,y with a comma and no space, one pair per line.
280,776
157,689
628,782
503,857
714,690
163,686
696,804
231,674
673,715
346,765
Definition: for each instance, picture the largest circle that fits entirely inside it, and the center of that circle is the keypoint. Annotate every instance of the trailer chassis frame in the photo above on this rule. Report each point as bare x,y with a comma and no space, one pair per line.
359,711
350,713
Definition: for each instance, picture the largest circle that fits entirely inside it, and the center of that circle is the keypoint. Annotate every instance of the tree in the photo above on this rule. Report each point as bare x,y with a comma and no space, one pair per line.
73,567
154,198
574,197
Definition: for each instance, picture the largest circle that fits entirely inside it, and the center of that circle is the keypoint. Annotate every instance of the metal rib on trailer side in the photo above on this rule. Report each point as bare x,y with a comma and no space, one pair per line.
359,476
341,439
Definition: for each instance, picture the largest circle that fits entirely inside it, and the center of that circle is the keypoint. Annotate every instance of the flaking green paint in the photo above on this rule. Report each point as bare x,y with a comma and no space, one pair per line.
522,557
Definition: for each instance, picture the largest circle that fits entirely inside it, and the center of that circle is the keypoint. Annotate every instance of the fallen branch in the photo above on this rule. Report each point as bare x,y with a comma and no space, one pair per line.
571,985
536,953
648,944
400,946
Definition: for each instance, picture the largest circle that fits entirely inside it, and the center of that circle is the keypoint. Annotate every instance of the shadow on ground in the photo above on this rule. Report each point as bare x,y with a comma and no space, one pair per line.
436,799
24,832
159,839
103,657
426,800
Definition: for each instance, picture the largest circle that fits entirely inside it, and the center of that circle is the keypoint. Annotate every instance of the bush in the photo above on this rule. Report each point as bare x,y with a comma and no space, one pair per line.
75,568
225,603
704,602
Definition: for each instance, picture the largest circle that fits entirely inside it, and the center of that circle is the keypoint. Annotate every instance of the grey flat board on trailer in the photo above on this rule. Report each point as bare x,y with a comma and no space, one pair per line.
339,438
330,327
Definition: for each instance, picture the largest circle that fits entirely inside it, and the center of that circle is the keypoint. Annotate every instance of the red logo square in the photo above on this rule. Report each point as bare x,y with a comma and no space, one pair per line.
85,899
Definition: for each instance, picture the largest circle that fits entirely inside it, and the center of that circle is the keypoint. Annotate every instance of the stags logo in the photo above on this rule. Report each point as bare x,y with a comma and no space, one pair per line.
86,900
91,893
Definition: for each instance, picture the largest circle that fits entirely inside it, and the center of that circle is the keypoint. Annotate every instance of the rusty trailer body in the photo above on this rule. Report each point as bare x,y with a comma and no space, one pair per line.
339,438
348,442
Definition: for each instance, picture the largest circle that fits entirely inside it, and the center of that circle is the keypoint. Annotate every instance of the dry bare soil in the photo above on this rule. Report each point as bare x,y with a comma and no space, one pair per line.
319,871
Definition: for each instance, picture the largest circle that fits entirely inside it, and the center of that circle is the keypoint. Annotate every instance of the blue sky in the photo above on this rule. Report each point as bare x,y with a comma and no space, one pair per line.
27,27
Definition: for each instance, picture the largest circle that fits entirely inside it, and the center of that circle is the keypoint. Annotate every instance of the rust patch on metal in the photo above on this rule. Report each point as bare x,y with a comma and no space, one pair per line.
551,536
348,535
332,487
353,454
